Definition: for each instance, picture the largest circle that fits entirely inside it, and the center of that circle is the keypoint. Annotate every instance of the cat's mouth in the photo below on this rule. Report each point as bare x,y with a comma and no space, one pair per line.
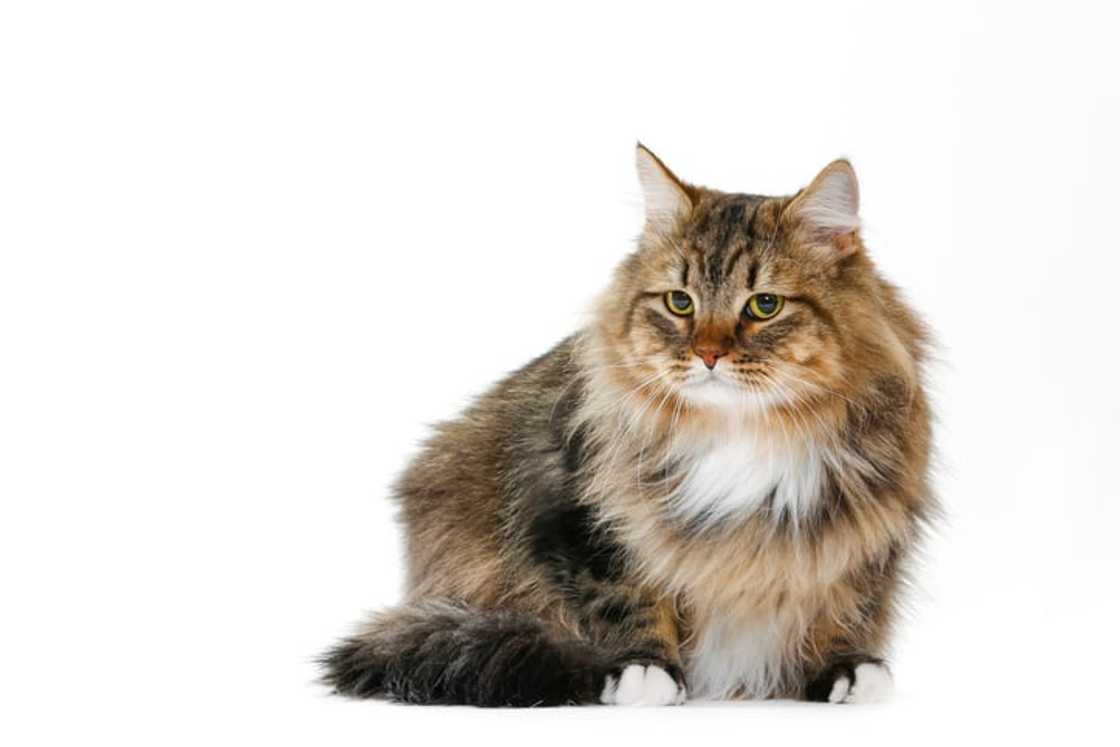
713,377
714,388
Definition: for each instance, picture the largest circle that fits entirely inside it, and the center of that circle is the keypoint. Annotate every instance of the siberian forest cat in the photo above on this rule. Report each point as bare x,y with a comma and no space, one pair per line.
712,491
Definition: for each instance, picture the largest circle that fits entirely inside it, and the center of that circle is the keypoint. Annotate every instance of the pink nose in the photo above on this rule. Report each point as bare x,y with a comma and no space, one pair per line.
709,355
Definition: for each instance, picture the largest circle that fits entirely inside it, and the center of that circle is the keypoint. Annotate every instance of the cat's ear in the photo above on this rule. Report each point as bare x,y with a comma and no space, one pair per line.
827,211
666,198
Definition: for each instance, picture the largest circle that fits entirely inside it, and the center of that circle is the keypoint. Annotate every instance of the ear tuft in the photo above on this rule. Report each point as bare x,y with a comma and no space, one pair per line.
829,207
666,199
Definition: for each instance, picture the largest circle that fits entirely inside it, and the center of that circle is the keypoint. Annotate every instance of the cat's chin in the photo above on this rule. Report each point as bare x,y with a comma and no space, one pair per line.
714,391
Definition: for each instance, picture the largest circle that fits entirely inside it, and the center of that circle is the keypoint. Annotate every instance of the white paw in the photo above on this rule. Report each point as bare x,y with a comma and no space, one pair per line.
873,684
642,685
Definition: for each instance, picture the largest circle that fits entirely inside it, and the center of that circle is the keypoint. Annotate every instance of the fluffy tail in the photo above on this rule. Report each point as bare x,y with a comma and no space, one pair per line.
436,652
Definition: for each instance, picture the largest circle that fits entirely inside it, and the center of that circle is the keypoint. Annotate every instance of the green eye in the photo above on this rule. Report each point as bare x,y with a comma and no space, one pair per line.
679,302
764,306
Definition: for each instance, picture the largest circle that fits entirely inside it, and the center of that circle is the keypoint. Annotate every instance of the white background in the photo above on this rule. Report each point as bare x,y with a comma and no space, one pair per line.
248,251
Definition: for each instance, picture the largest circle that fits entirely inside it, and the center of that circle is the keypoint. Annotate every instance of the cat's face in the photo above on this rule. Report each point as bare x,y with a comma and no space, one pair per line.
740,302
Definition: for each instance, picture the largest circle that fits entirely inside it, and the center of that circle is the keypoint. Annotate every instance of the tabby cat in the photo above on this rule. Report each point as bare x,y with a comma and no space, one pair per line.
712,491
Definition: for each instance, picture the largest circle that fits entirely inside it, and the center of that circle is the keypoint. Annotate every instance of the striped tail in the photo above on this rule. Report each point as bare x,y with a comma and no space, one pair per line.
443,653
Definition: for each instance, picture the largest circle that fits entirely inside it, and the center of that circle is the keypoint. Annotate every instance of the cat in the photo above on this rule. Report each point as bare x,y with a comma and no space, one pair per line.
712,491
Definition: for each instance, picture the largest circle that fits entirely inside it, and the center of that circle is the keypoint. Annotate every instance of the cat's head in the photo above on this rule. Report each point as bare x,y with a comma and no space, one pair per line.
740,302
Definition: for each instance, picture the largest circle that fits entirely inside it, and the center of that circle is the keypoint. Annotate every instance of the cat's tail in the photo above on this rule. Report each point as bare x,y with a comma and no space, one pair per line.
439,652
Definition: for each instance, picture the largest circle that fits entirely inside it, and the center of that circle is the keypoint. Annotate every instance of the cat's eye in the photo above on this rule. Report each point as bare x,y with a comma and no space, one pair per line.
679,302
764,305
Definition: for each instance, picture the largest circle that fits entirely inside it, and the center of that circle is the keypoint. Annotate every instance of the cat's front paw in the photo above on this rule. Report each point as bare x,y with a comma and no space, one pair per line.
642,685
856,680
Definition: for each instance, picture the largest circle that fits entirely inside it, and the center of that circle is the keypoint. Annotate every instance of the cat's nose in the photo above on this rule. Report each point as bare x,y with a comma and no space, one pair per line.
710,355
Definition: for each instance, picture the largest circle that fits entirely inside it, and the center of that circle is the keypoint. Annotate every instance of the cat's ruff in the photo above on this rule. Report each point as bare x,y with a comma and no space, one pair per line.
736,476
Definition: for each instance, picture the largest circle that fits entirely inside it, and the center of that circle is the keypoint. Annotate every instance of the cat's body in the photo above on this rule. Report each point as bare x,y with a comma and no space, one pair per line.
622,520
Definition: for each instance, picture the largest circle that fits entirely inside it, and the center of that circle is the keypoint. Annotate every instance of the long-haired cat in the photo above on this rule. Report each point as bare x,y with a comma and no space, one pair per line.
711,491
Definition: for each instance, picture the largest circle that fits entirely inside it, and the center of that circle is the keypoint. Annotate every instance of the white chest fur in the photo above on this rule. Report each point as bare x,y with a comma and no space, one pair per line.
741,658
743,651
737,476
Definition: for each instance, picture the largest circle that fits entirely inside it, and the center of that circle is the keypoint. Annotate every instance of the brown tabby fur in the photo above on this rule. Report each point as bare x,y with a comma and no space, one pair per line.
590,425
